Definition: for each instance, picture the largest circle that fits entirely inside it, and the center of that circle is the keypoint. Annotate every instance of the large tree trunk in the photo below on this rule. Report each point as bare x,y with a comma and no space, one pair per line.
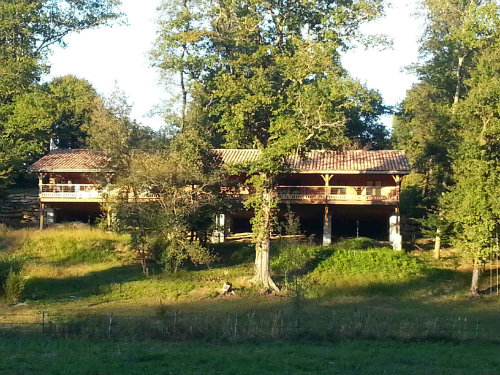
474,286
262,232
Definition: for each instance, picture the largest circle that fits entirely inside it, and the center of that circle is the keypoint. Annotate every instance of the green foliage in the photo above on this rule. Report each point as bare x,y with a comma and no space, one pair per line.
290,226
426,126
71,102
230,254
356,264
267,75
384,262
295,258
27,30
471,206
178,249
166,221
411,198
298,258
13,286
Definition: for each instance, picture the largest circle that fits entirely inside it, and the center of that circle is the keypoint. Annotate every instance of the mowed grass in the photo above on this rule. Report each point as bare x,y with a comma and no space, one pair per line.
67,356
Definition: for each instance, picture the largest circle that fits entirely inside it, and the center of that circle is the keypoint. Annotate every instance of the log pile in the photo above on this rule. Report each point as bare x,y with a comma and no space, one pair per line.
410,229
20,210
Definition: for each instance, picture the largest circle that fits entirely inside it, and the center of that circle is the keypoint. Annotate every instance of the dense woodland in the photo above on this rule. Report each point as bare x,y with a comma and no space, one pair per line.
263,74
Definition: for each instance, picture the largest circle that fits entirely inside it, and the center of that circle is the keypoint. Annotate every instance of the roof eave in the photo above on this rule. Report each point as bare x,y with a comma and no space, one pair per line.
406,172
67,170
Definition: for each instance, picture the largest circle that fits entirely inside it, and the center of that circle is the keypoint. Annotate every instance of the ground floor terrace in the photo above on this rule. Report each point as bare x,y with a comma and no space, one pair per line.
325,223
322,223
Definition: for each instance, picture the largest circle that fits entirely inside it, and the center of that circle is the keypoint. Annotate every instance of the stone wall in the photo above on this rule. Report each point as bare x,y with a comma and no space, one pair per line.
19,210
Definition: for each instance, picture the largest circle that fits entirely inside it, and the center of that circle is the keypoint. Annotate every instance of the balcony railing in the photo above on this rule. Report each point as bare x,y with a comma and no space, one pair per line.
70,191
339,194
287,194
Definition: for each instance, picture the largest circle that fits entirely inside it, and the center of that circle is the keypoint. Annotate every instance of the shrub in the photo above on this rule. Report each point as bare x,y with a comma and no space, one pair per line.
373,264
13,286
297,258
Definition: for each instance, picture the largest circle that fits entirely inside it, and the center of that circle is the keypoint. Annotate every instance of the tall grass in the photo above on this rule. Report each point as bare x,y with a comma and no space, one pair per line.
74,245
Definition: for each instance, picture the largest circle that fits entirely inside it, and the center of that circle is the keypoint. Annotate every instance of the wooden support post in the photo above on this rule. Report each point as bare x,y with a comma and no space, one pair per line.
327,177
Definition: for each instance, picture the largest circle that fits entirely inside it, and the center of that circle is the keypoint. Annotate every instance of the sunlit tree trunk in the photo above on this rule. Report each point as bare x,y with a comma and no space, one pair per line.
262,231
437,244
474,286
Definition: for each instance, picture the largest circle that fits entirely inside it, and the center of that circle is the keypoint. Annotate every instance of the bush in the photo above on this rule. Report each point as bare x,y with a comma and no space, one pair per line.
373,264
297,258
13,286
361,243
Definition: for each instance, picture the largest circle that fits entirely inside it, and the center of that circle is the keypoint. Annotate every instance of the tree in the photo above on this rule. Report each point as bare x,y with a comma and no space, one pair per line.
180,188
27,29
157,187
269,76
72,101
472,204
425,127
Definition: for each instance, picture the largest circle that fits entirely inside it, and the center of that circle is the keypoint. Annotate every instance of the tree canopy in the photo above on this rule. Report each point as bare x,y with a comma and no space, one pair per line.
266,74
448,123
27,29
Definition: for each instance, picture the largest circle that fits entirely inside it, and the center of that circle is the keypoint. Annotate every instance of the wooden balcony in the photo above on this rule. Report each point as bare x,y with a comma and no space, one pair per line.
70,192
81,193
356,195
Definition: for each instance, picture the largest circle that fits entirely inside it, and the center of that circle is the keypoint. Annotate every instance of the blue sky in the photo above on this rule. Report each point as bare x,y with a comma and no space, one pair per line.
118,57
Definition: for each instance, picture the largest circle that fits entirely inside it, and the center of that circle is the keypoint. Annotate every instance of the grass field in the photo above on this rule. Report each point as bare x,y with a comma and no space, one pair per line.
50,356
343,295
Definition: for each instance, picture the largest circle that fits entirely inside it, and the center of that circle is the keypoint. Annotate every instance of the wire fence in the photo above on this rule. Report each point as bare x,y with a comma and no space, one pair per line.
254,326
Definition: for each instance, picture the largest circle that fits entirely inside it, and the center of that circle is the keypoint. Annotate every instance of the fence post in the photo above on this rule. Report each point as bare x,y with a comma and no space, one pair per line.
109,325
498,266
465,328
235,325
175,320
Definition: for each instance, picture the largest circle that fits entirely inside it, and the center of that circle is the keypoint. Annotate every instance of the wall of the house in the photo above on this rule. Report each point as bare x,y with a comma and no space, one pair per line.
66,178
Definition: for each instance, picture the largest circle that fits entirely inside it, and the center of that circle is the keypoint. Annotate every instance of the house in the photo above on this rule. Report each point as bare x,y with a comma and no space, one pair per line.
334,193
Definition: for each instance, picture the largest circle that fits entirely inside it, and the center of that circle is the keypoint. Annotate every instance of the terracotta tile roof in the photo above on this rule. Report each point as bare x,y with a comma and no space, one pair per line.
70,160
346,162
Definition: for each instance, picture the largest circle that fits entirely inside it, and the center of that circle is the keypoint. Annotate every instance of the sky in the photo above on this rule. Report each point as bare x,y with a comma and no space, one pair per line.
117,57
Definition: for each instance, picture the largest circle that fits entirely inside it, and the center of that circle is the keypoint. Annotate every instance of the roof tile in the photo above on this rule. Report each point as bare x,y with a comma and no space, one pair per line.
357,161
70,160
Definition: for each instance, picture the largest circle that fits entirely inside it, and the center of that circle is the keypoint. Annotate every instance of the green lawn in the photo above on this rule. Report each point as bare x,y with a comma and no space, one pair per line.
64,356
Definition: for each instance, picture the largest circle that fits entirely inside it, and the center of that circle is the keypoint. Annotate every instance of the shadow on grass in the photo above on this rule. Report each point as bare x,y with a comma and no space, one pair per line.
433,283
233,253
91,284
7,265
